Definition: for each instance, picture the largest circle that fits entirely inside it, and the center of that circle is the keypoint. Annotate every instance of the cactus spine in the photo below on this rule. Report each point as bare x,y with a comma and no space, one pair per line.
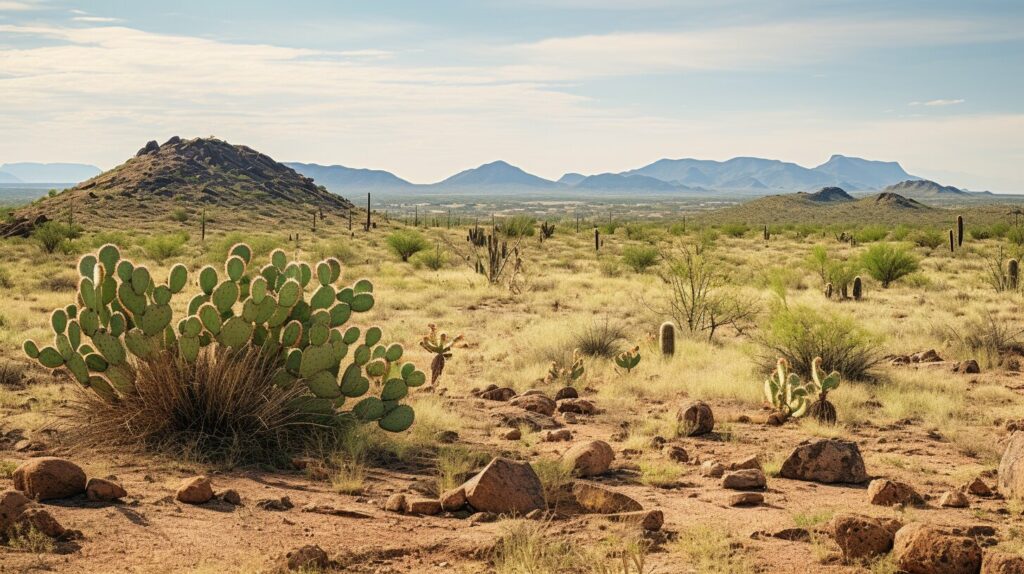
667,338
858,288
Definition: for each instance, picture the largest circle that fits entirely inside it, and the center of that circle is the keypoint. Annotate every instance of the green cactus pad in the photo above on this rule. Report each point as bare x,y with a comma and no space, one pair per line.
74,334
362,286
101,387
369,409
258,290
110,347
323,273
117,324
243,251
323,385
394,390
340,314
335,267
208,279
59,320
196,302
87,293
236,332
398,420
289,293
87,265
345,295
278,259
415,378
124,270
225,295
323,297
373,336
63,345
351,335
140,280
210,317
362,302
131,300
235,268
162,294
353,383
283,379
138,343
188,347
76,365
191,327
96,362
305,274
155,319
318,334
393,353
109,255
50,358
89,322
376,368
120,376
362,355
177,279
315,358
31,349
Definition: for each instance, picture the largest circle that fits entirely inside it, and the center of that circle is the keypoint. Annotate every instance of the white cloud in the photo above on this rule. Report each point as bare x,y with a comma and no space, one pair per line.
938,103
19,6
95,19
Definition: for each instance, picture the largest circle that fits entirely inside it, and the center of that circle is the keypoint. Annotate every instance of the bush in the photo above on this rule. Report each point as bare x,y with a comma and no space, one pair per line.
600,339
405,244
930,238
871,233
639,257
431,259
735,229
52,235
518,226
164,246
801,333
886,263
180,215
1015,235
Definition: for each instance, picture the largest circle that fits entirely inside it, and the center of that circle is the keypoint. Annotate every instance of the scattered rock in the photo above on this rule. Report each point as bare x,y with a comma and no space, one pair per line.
231,497
977,487
307,558
396,503
884,492
746,479
647,519
453,499
922,549
969,367
447,437
566,393
1011,467
512,434
996,562
589,458
598,499
41,520
954,499
677,453
195,490
569,418
790,534
102,489
12,504
560,435
499,394
861,537
535,514
275,504
426,506
746,499
576,406
48,478
697,418
712,469
929,356
535,403
513,417
751,462
483,517
827,461
505,486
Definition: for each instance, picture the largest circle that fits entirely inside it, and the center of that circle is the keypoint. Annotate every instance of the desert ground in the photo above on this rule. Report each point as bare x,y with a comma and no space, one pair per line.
937,424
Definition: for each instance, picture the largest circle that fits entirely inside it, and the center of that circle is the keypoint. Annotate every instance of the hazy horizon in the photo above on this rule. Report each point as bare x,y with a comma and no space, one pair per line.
586,86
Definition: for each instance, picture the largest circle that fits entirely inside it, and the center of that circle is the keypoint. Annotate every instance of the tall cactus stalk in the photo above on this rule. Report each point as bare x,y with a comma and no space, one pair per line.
959,230
1013,271
858,288
597,239
667,338
952,241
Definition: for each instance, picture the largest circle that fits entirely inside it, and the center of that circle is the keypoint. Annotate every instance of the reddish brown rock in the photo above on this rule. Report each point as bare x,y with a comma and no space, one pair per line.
954,499
500,394
647,519
309,558
576,406
454,499
505,487
598,499
884,492
395,503
860,537
426,506
827,461
1011,467
746,479
48,478
746,499
697,419
12,504
589,458
534,403
103,489
195,490
996,562
922,549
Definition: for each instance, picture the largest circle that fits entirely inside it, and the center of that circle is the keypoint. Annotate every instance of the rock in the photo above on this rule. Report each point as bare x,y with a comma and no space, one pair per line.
751,462
173,140
860,537
790,534
41,520
996,562
676,453
969,367
1011,467
535,515
601,500
505,487
307,558
929,356
884,492
922,549
195,490
954,499
231,497
746,479
395,503
426,506
513,417
483,517
102,489
576,406
150,147
712,469
447,437
275,504
48,478
560,435
13,504
697,419
535,404
499,394
746,499
827,461
454,499
589,458
977,487
647,519
566,393
569,418
512,434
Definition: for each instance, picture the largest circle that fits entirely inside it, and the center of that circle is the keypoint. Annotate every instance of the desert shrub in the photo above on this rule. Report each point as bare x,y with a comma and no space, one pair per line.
800,333
101,238
165,245
432,259
985,337
610,267
900,233
608,228
886,263
6,281
677,229
261,245
735,229
930,238
639,232
871,233
639,257
518,226
180,215
599,339
51,235
1015,235
11,374
405,244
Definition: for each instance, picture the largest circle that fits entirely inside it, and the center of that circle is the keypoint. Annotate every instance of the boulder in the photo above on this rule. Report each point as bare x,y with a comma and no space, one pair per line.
589,458
746,479
677,453
751,462
499,394
534,403
860,537
40,520
427,506
13,504
827,461
954,499
566,393
49,477
513,417
309,558
647,519
929,356
995,562
697,419
969,367
884,492
103,489
505,487
150,147
195,490
512,434
746,499
1011,467
923,549
231,497
453,499
560,435
977,487
576,406
396,503
602,500
712,469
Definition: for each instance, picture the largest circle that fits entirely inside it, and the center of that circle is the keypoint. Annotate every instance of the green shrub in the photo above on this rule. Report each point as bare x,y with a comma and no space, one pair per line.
800,333
518,226
639,257
405,244
930,238
1015,235
164,246
180,215
432,259
52,235
871,233
735,229
886,263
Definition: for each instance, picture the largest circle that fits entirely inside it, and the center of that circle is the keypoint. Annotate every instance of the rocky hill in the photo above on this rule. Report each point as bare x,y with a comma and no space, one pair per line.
184,177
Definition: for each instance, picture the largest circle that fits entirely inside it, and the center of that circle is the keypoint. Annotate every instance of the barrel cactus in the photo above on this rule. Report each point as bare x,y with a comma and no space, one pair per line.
858,288
667,338
123,316
822,409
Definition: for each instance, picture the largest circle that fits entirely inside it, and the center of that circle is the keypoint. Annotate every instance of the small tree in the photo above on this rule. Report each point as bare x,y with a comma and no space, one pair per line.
639,257
405,244
886,263
50,235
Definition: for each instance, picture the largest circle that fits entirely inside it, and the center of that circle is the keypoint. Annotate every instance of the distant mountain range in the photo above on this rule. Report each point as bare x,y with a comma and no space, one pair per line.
752,175
57,173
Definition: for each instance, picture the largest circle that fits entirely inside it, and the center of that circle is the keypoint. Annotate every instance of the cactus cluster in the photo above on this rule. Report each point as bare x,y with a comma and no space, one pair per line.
789,396
546,230
567,374
441,346
476,236
822,409
126,316
628,359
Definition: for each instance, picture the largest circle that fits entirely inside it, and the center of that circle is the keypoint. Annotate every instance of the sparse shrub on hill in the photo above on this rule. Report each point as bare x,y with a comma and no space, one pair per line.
871,233
405,243
518,226
639,257
887,263
1015,235
735,229
256,358
929,237
165,245
51,235
433,259
840,273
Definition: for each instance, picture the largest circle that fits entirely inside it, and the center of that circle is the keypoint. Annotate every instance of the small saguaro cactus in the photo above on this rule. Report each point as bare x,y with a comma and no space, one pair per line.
822,410
597,239
786,393
767,234
628,359
952,241
567,374
828,290
959,230
441,346
858,288
1013,272
667,338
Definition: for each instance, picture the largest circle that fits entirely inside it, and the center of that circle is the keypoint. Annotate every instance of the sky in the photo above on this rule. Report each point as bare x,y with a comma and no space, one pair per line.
426,89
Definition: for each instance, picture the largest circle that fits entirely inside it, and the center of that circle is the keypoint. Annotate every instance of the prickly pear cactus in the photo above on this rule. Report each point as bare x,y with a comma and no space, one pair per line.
628,359
289,309
822,409
786,392
441,346
567,374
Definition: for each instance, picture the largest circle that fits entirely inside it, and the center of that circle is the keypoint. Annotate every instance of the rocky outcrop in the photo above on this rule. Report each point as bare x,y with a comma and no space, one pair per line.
923,549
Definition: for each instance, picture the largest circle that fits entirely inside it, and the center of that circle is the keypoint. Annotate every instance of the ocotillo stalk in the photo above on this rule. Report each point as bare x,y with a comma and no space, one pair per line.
597,240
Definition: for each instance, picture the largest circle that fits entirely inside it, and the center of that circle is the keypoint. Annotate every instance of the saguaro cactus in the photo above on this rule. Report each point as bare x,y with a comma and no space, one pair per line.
667,338
1013,271
959,230
858,288
952,241
597,239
